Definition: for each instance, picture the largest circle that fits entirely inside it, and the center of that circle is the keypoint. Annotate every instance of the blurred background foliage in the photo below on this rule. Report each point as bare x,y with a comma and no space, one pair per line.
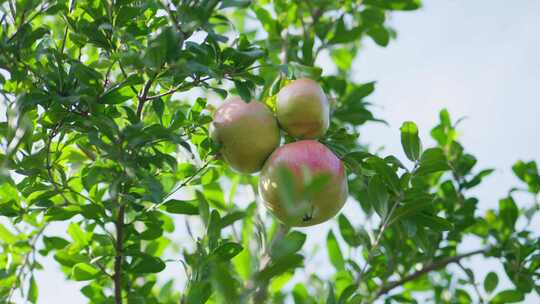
107,105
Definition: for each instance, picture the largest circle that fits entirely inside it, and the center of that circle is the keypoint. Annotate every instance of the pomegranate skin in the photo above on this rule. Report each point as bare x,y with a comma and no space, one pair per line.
303,110
247,132
304,160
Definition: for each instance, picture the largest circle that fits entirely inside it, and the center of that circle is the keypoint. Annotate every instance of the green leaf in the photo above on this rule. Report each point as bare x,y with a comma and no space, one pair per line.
412,207
410,140
291,243
224,283
244,89
84,272
232,217
297,70
433,221
181,207
145,263
55,242
388,175
199,292
528,173
228,250
477,179
117,95
509,212
347,293
348,232
234,3
508,296
214,229
158,106
491,281
279,266
6,236
78,235
379,34
334,252
432,160
359,92
378,195
270,25
204,209
33,291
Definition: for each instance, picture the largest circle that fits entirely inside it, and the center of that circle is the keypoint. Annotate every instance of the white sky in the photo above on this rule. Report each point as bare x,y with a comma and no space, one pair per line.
479,59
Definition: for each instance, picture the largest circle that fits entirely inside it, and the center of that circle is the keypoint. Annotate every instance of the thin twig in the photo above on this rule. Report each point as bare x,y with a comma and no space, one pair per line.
471,280
126,77
26,261
178,88
71,5
183,184
49,165
385,224
426,269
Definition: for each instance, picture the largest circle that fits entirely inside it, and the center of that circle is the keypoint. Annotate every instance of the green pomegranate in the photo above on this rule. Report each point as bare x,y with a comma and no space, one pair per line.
247,132
302,109
304,161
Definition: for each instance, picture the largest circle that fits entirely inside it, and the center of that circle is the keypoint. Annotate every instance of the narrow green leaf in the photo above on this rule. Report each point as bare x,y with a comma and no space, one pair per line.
290,244
410,140
33,291
204,209
145,263
432,160
348,232
334,252
84,272
378,195
6,235
508,296
279,266
181,207
228,250
386,172
433,221
491,281
509,212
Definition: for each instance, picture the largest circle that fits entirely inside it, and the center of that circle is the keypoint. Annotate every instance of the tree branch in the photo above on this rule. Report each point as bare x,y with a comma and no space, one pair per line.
26,262
144,94
178,88
117,277
261,292
384,225
426,269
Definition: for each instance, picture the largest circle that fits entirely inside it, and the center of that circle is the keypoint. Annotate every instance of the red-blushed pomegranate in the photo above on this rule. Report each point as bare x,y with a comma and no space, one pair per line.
247,132
302,109
304,162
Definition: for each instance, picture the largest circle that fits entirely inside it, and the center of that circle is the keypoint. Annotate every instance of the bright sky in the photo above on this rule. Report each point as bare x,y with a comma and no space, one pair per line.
478,58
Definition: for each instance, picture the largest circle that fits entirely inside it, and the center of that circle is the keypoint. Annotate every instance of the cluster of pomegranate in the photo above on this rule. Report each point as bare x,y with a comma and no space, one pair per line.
302,183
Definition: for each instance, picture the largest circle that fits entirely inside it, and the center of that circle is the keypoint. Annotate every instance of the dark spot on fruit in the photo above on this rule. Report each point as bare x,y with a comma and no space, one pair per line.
307,217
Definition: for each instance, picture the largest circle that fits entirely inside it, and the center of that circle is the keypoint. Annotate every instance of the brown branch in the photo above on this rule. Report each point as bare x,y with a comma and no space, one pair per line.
178,88
118,260
426,269
144,94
